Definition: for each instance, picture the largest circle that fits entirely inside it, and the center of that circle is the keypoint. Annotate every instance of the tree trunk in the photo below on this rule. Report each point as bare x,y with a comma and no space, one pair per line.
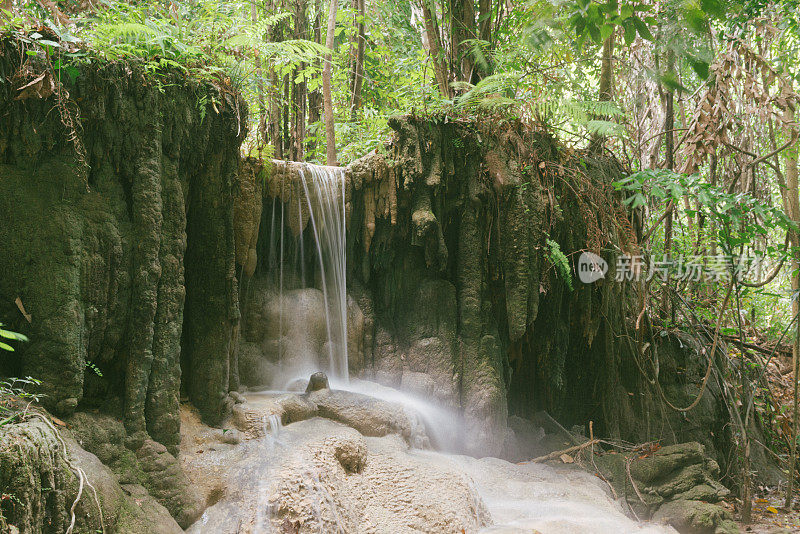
330,131
793,205
669,137
299,90
261,131
606,84
485,20
462,28
440,69
315,96
357,74
607,70
275,108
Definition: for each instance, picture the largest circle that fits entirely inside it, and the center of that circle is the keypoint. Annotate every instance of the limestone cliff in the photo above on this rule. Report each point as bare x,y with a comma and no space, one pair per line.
463,240
117,230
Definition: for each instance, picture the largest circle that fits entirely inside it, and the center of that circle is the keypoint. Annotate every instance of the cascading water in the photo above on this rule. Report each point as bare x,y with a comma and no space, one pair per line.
325,193
307,274
296,473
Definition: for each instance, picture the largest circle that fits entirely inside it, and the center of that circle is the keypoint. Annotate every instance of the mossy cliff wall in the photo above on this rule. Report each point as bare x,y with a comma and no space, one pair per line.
463,243
117,235
457,270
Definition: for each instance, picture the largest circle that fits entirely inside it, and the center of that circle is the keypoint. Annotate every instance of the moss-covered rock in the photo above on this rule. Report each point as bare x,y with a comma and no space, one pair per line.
677,483
118,238
696,517
39,487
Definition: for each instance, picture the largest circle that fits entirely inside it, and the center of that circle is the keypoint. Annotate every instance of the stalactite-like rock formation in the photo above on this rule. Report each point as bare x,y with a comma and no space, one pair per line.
118,240
450,260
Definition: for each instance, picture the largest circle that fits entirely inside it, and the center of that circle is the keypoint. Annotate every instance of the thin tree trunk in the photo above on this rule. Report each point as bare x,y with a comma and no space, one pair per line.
330,131
462,28
485,20
606,93
607,70
275,108
261,131
440,69
315,96
299,90
669,124
357,75
793,203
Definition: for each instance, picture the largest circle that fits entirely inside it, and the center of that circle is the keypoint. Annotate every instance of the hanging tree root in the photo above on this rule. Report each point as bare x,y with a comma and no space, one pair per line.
80,474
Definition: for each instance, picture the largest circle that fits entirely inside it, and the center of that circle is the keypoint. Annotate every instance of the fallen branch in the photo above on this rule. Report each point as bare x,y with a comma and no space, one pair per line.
555,455
757,348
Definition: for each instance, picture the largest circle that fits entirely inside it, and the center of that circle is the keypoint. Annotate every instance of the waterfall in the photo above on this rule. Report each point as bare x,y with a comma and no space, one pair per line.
324,191
309,212
271,426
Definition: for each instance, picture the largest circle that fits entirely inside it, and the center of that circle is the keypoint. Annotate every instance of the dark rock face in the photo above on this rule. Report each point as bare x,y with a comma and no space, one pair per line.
317,382
122,251
451,237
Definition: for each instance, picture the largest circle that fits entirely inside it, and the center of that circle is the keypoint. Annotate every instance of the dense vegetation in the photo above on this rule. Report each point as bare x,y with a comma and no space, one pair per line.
696,99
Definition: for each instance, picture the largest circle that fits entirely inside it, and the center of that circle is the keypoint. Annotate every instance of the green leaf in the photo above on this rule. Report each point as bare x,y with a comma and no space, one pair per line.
626,11
594,33
641,27
630,32
700,68
6,347
713,8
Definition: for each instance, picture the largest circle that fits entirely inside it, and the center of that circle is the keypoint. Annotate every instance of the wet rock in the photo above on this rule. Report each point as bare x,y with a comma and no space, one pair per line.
368,415
317,382
351,454
696,517
231,436
247,214
369,485
138,460
677,482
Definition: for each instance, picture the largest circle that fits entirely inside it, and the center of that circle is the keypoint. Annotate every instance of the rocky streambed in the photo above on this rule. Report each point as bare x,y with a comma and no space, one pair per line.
337,461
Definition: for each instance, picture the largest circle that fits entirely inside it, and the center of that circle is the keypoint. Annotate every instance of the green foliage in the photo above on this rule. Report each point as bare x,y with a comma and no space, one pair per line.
94,368
13,390
740,217
597,21
13,336
560,261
